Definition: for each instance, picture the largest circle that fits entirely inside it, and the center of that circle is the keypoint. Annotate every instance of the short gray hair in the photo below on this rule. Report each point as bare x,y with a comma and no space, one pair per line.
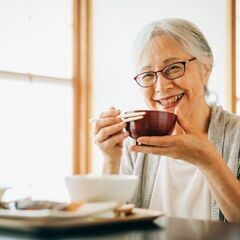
183,32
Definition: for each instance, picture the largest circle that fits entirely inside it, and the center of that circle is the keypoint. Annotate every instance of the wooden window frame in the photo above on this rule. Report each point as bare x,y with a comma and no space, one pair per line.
231,56
82,85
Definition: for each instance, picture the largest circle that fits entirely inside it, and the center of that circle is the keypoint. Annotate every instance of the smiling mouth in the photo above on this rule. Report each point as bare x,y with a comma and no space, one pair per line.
170,101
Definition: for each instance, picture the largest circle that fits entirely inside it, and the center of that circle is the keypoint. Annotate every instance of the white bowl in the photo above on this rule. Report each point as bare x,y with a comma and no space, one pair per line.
89,188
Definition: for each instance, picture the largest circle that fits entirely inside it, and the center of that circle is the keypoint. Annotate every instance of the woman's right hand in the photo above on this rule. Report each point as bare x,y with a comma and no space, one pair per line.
108,133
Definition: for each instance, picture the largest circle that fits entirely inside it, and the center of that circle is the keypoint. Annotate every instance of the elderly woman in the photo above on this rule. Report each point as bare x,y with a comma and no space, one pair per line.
194,172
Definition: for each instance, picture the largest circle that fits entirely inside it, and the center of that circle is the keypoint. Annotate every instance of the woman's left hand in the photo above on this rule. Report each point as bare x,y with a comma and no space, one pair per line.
192,146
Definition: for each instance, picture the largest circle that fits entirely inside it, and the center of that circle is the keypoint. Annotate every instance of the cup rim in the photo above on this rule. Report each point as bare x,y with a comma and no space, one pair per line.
149,111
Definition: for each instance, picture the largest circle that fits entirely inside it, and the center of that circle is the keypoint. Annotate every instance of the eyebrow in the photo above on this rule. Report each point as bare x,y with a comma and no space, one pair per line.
165,62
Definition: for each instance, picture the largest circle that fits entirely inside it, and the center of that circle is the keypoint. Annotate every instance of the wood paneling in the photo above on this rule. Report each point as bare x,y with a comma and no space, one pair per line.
82,84
231,55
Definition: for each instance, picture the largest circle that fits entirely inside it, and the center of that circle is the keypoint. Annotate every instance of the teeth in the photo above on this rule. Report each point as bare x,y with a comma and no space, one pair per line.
171,100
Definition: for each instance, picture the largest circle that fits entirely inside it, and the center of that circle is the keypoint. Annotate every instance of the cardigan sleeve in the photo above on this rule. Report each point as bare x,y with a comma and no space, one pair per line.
224,133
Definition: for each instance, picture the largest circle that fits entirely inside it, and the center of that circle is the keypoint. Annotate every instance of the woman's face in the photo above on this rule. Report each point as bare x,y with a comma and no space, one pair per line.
185,92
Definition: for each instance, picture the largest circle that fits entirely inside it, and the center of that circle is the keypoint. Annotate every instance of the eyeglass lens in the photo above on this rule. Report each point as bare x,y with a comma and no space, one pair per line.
170,72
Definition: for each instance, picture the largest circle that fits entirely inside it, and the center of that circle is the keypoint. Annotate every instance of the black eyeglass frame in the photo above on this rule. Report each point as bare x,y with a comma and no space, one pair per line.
161,71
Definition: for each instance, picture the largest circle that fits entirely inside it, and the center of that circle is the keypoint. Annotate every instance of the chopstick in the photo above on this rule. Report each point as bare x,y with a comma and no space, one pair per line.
133,114
132,119
126,117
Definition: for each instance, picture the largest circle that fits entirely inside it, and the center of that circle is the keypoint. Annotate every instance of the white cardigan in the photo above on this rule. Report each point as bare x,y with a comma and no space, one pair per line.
223,132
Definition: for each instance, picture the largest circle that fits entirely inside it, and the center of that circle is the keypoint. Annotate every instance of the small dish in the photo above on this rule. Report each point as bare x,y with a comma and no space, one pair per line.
87,209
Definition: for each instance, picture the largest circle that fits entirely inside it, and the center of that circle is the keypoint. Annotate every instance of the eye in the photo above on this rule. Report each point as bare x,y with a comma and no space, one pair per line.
146,79
173,69
147,76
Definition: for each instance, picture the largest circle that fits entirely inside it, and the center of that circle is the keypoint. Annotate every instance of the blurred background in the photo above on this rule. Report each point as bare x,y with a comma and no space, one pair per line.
64,61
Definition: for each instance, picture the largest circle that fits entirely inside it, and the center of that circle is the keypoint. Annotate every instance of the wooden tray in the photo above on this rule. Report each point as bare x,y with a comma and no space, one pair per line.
38,224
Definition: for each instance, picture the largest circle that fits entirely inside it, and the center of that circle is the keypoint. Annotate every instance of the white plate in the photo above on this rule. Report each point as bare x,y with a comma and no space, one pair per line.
86,210
60,224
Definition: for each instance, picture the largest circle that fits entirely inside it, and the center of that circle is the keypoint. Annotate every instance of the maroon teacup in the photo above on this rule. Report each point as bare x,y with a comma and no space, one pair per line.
153,123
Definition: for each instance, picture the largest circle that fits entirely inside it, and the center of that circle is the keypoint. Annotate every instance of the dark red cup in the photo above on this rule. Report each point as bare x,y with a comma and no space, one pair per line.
153,123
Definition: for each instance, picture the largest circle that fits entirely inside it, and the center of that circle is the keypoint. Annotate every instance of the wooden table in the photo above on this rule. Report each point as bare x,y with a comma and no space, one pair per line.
162,228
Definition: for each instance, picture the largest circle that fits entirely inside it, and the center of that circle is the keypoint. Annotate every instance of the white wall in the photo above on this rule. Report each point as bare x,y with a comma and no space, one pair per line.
116,24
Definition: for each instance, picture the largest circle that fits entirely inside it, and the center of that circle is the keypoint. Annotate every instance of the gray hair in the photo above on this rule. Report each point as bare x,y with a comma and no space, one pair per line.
183,32
186,34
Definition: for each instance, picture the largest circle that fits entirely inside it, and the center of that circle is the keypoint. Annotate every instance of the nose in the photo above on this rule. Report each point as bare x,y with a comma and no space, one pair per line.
163,84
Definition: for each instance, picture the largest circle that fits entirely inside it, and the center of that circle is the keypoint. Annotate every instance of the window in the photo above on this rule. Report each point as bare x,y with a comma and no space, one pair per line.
36,95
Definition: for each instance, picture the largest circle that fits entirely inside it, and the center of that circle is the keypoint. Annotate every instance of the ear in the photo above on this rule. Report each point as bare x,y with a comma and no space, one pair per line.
206,71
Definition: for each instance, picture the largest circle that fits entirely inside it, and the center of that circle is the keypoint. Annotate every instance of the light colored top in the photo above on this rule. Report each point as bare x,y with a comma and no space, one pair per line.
180,190
223,132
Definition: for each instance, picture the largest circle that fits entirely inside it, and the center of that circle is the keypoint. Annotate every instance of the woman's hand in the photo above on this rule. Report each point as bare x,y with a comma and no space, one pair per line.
192,146
108,135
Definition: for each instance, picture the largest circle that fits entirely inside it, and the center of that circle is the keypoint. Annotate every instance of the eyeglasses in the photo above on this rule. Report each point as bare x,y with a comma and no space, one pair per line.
170,72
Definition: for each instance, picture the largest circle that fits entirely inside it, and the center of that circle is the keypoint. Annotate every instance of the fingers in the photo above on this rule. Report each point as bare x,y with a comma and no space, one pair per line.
106,119
165,151
113,141
163,141
105,122
108,129
112,112
106,132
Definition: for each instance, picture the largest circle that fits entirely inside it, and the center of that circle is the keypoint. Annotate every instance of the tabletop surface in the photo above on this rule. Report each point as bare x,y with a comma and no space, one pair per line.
162,228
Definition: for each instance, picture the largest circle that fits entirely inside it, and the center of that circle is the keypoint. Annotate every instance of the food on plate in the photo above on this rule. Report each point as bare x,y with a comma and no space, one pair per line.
124,210
29,204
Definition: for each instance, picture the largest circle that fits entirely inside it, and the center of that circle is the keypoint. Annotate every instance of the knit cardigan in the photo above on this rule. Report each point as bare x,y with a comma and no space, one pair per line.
223,132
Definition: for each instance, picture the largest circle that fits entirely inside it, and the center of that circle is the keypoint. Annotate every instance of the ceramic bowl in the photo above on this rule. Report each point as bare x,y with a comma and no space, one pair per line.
89,188
154,123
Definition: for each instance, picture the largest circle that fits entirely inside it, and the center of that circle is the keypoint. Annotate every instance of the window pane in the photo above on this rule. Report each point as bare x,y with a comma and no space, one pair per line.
36,116
51,38
14,35
36,136
36,37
